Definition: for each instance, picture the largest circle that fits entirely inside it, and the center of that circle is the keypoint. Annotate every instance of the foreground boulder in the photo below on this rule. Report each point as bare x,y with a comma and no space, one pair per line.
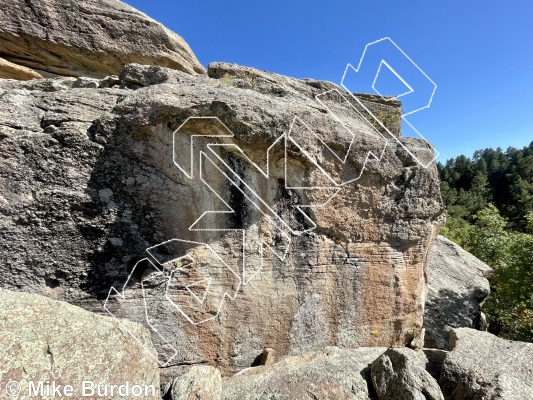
333,373
91,38
457,285
199,382
483,366
47,340
401,374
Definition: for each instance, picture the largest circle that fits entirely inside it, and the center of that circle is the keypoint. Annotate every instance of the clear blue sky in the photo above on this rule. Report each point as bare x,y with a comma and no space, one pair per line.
479,53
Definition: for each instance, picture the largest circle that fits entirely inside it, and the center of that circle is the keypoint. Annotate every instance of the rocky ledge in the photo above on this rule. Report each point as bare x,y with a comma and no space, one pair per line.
379,373
93,38
65,345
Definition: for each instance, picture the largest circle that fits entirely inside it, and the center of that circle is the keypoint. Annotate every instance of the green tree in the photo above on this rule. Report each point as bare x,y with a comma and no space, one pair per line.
489,211
509,307
521,190
504,179
529,222
487,239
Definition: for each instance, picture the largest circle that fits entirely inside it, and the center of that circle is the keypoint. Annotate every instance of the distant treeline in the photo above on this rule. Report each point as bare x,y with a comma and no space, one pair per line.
504,179
489,212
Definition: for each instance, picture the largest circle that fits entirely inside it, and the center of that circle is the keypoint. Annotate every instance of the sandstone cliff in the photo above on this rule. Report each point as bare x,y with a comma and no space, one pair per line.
96,171
89,183
275,227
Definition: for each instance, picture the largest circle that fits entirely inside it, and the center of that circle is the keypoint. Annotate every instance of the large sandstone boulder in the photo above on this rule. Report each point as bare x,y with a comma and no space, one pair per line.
483,366
91,38
330,374
401,374
43,340
89,181
457,285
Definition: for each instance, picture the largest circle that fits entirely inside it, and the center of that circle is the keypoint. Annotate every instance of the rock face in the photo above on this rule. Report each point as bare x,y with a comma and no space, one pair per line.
401,374
483,366
457,286
8,70
47,340
333,373
89,182
200,382
93,38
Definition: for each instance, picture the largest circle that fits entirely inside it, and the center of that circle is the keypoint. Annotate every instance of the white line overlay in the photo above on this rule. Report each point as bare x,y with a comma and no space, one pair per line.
204,153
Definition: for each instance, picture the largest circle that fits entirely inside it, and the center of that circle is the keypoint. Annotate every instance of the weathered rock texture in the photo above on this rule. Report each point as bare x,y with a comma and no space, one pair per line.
199,382
401,374
333,373
91,38
47,340
88,183
458,285
483,366
9,70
